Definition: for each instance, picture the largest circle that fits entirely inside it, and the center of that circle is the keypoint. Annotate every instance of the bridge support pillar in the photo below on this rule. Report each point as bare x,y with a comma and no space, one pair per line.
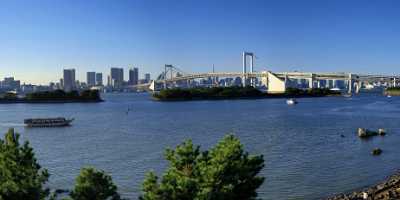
350,84
165,76
311,81
358,87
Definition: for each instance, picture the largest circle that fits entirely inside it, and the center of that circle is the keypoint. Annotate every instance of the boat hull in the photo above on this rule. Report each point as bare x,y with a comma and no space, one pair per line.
48,123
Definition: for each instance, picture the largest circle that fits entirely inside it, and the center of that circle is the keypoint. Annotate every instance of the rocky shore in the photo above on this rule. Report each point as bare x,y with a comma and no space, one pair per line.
387,190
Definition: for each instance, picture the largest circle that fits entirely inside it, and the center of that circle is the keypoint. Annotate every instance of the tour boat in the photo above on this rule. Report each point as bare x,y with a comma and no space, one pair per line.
291,101
48,122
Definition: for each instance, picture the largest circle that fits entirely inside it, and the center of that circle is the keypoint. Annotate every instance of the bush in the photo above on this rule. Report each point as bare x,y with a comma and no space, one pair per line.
224,172
21,176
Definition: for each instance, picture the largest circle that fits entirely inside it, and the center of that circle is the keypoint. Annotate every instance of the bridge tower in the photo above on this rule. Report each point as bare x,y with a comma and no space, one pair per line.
350,84
167,68
244,78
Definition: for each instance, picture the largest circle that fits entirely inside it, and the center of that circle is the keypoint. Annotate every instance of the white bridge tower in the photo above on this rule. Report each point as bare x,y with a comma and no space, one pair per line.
244,78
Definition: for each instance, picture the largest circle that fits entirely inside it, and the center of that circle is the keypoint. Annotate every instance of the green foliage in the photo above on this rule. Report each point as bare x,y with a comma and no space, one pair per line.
208,93
235,93
224,172
62,95
92,184
393,89
10,96
315,92
21,177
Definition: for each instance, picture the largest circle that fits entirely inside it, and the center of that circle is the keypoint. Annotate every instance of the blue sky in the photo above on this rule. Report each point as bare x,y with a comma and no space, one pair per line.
39,38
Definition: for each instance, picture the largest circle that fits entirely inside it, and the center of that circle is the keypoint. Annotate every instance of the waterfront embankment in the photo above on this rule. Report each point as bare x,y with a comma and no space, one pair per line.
386,190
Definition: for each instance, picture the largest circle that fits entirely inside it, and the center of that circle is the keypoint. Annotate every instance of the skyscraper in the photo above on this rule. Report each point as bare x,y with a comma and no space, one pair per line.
99,79
117,77
147,77
133,76
69,79
91,78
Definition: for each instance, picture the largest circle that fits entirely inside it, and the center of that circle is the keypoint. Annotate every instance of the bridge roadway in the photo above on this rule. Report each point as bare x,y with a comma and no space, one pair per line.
291,75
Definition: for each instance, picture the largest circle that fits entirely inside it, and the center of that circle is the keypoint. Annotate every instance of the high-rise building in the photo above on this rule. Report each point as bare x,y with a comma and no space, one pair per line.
133,76
69,79
91,79
117,77
61,83
147,77
109,82
99,79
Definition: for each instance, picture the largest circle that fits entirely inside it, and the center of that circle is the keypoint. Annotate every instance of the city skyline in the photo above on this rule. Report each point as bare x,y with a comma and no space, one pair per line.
40,40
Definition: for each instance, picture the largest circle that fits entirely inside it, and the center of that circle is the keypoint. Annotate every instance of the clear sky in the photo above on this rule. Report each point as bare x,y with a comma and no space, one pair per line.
38,38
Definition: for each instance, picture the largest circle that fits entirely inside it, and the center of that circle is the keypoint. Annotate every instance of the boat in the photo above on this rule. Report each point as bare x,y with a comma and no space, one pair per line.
388,96
347,95
48,122
291,101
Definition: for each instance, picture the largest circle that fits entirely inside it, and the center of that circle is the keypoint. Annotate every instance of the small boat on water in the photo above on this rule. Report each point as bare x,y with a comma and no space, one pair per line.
291,102
347,95
48,122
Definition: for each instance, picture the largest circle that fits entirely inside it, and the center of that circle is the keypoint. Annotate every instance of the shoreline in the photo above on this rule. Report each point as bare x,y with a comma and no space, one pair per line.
241,98
387,189
25,101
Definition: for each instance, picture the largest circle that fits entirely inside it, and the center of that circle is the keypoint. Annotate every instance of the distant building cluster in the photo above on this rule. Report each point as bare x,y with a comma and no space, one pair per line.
69,82
115,80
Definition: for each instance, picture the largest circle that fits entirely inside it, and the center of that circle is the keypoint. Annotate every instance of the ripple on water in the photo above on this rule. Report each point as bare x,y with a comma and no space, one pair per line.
306,156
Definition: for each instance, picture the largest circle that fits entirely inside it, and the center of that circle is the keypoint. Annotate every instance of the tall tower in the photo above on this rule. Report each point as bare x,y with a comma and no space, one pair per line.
69,80
91,78
133,76
117,77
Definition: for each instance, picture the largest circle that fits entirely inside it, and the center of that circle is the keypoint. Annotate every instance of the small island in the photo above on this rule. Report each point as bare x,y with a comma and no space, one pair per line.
392,91
56,96
222,93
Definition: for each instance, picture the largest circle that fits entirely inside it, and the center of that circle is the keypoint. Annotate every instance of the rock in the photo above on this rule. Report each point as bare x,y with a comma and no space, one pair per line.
376,151
381,132
362,132
365,133
387,190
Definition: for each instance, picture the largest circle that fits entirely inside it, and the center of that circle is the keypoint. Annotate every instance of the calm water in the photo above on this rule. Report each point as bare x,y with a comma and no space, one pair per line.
306,158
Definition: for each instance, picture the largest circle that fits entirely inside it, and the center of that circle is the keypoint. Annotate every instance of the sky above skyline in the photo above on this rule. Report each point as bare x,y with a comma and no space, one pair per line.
38,39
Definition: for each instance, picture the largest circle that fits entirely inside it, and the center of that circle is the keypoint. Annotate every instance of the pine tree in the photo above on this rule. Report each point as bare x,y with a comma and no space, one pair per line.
21,177
92,184
224,172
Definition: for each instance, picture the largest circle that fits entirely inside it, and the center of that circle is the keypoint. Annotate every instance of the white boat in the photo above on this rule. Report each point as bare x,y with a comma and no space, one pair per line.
291,101
335,89
48,122
388,96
